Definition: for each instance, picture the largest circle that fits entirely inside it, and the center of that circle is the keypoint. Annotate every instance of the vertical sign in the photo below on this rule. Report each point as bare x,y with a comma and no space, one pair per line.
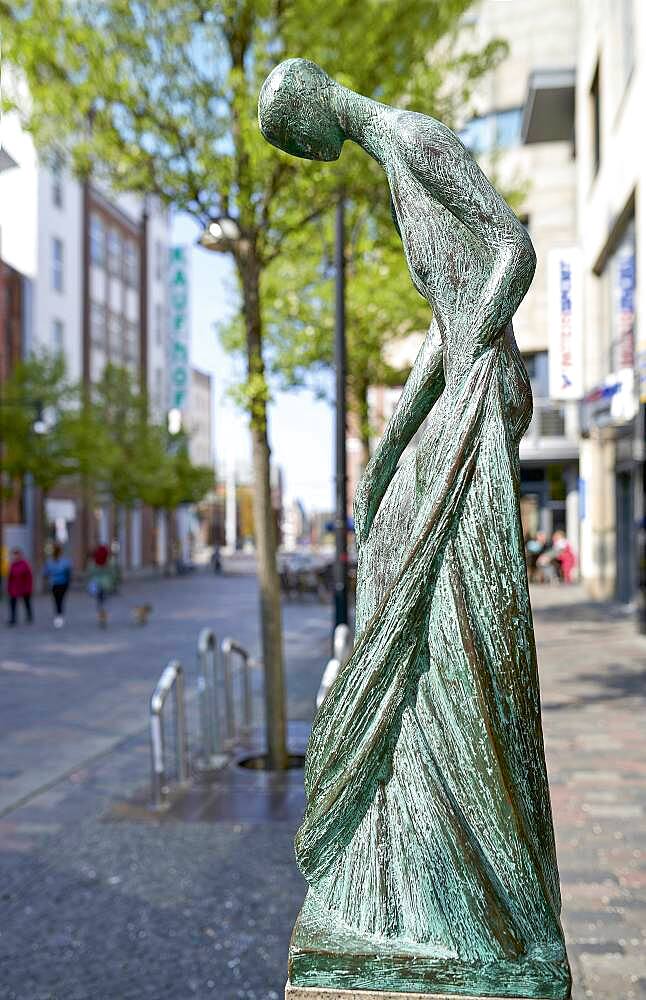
565,323
625,305
179,328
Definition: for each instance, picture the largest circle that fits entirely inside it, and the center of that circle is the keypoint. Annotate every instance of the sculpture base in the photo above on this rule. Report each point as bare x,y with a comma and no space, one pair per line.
320,993
334,958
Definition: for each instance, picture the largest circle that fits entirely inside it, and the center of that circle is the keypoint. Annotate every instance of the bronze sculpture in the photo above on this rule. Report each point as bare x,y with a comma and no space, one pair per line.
427,841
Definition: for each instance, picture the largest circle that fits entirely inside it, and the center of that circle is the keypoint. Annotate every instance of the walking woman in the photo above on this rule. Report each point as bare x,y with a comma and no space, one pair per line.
427,841
102,582
58,571
19,586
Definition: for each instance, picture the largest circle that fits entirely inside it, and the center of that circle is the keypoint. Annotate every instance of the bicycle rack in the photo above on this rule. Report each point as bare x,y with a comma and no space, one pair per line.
231,648
172,679
208,655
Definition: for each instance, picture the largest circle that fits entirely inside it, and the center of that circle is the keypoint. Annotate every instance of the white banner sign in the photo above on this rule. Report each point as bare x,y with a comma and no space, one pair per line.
565,322
179,327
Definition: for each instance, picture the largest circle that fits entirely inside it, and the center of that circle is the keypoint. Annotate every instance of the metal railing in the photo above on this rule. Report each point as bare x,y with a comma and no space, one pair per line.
172,679
230,649
208,654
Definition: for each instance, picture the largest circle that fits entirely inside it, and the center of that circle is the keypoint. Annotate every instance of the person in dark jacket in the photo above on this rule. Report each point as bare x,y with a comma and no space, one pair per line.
19,586
58,571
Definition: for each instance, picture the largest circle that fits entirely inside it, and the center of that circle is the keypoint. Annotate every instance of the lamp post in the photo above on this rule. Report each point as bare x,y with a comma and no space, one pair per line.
341,512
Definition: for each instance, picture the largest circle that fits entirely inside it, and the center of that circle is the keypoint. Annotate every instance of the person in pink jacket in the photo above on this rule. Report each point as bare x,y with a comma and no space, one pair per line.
19,585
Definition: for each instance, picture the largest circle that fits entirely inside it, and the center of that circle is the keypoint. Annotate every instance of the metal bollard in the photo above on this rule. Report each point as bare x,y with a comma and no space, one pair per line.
172,679
231,648
342,653
342,643
207,657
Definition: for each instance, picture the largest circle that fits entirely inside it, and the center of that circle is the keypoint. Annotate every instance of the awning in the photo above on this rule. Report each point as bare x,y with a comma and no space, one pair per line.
548,115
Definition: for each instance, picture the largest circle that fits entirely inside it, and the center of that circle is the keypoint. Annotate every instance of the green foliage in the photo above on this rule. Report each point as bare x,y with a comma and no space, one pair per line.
167,477
102,437
161,98
38,391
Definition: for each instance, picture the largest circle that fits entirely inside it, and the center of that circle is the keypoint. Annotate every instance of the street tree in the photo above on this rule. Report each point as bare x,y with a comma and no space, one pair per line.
166,476
382,308
159,96
33,436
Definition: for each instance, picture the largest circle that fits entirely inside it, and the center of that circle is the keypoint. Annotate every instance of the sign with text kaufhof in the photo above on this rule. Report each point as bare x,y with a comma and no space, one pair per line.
565,322
179,327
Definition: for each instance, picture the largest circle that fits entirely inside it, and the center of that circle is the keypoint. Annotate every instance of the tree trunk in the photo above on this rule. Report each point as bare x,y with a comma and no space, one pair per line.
268,579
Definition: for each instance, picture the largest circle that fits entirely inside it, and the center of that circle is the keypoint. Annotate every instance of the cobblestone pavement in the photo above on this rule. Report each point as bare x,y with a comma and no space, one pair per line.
92,907
81,689
593,677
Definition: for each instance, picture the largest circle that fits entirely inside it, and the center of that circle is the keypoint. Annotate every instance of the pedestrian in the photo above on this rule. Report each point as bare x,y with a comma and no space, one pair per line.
19,586
534,548
564,556
58,571
102,581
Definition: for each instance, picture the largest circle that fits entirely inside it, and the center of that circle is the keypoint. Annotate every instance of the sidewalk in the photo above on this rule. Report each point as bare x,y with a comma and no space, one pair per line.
118,910
593,679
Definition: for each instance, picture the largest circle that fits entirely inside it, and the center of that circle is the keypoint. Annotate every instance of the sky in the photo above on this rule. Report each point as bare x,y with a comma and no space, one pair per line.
301,426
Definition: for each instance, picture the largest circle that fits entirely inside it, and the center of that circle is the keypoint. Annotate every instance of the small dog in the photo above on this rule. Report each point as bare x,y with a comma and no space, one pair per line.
141,614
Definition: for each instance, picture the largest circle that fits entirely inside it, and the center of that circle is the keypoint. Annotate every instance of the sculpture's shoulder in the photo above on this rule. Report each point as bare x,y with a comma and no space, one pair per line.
423,142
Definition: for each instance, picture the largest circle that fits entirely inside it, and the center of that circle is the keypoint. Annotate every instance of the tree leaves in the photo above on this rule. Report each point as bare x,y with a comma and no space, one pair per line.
102,438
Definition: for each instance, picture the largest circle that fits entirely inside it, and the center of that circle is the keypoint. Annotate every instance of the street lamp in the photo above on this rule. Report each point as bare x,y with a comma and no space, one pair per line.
220,235
341,486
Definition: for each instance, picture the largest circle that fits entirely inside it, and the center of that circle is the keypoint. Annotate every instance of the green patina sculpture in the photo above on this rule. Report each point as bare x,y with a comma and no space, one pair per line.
427,841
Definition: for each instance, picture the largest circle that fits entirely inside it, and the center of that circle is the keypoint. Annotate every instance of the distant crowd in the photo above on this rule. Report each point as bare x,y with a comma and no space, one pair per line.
102,581
549,560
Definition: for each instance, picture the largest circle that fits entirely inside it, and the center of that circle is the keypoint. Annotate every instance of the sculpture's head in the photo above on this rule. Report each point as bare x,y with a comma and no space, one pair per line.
296,111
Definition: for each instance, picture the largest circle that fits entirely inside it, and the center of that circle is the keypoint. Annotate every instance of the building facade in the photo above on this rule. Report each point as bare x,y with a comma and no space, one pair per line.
538,175
95,272
537,172
611,177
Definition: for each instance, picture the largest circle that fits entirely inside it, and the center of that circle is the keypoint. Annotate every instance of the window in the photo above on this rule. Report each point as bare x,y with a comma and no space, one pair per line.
536,365
159,388
496,130
115,252
159,324
131,263
115,337
57,181
97,240
57,264
508,128
97,324
159,260
131,343
58,336
595,115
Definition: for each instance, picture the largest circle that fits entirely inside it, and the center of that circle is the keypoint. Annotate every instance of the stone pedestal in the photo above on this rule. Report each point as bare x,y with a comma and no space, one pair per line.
320,993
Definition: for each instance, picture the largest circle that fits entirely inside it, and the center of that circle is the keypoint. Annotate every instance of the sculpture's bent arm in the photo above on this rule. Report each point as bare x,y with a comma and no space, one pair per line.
423,387
486,257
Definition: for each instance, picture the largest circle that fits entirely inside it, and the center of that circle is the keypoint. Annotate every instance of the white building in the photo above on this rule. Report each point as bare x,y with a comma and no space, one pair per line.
96,269
611,175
